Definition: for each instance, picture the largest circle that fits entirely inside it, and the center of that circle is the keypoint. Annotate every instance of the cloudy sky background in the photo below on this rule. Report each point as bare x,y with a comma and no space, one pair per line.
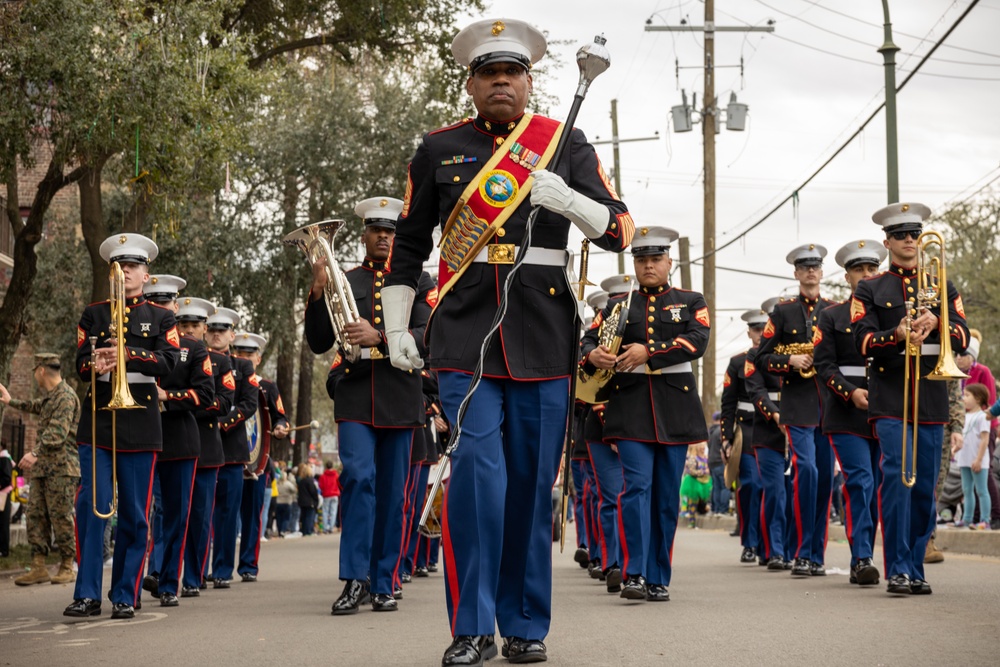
809,85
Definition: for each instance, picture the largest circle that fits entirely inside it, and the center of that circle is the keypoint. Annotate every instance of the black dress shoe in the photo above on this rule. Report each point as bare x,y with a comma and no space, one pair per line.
151,583
898,584
83,607
801,568
594,569
384,602
432,567
122,610
469,650
397,592
169,600
356,592
816,569
405,577
748,555
203,585
248,577
582,556
864,573
634,588
613,578
762,560
919,587
420,572
190,592
221,583
520,651
775,564
735,533
788,564
657,593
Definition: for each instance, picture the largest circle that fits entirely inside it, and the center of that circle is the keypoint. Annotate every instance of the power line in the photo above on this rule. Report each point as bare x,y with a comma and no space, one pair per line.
848,141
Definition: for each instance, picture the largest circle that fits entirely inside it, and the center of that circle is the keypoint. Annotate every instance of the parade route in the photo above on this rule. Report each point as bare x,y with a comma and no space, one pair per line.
721,613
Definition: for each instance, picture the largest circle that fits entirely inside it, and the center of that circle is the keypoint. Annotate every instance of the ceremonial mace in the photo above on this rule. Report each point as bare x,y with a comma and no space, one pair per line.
593,60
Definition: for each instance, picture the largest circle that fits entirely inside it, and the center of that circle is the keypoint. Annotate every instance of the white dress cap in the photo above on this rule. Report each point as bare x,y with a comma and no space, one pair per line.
128,247
498,41
223,318
379,211
598,300
810,254
653,240
249,341
755,317
620,284
193,309
862,251
163,287
901,217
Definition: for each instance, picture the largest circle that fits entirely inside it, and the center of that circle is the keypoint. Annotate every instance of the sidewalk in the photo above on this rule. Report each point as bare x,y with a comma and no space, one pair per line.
949,538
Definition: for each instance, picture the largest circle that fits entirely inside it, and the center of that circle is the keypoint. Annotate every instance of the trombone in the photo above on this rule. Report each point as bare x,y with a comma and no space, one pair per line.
121,397
932,290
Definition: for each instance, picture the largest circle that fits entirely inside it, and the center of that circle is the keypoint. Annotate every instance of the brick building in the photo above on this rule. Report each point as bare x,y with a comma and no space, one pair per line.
18,429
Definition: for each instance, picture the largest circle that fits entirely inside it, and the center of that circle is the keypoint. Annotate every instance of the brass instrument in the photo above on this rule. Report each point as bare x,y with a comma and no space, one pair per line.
584,267
316,241
121,397
797,348
932,290
594,388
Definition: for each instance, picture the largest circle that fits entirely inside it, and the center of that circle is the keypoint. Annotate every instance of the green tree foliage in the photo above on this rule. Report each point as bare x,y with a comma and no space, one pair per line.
971,230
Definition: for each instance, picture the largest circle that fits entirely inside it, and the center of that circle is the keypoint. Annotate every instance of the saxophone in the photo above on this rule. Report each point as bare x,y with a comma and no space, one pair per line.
594,388
316,242
797,348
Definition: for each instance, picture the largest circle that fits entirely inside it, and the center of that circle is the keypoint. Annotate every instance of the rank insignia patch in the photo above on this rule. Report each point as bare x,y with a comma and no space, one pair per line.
857,310
702,316
769,329
959,308
173,338
228,381
748,368
206,366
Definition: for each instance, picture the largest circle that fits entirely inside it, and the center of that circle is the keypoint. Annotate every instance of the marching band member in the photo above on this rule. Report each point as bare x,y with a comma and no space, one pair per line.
880,310
249,346
769,444
498,508
377,408
189,386
422,457
738,412
654,411
150,351
843,373
192,317
792,323
229,483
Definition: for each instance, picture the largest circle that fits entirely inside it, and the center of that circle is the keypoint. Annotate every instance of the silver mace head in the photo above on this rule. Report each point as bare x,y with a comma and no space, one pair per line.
593,60
314,424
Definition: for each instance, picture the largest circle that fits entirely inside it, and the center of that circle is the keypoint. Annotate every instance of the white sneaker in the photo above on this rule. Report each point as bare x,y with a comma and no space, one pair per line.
108,562
263,539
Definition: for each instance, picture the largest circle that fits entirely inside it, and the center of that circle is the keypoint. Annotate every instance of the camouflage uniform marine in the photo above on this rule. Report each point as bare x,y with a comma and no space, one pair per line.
55,475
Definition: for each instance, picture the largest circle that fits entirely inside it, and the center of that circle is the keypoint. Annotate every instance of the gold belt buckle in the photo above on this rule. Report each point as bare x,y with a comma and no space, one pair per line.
375,354
500,253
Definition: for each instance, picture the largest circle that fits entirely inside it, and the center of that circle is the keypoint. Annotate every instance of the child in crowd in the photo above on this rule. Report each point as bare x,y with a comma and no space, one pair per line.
696,486
973,457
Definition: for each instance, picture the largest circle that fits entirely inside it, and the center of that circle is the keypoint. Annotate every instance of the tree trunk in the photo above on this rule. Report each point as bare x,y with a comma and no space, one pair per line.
303,409
26,237
286,382
94,230
288,342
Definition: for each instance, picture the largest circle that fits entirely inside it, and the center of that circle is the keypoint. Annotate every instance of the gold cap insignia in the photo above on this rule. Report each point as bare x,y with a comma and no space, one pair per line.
383,202
861,244
498,27
812,247
122,239
904,208
187,302
154,280
644,231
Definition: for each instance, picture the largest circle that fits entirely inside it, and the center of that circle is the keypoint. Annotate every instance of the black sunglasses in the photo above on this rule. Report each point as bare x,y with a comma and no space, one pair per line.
899,236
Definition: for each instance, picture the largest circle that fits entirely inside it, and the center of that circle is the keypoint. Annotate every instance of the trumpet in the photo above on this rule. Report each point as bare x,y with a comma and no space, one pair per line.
797,348
316,241
932,290
121,397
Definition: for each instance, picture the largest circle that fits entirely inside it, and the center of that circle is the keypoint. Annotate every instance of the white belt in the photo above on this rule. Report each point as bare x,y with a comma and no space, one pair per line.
133,378
928,349
774,395
853,371
538,256
676,368
743,405
371,353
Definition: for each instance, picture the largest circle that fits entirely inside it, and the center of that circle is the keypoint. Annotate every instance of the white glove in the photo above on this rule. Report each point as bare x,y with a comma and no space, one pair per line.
397,302
550,191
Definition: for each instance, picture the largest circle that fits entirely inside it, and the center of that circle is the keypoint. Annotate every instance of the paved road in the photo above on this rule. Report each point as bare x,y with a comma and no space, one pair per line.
722,613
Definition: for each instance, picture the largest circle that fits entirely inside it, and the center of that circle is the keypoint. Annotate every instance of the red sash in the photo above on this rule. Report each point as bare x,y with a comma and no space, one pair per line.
494,194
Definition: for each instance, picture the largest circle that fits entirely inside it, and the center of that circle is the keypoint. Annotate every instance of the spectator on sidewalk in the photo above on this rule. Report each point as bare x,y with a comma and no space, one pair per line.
717,467
980,373
308,499
973,457
6,489
696,485
54,467
286,499
329,488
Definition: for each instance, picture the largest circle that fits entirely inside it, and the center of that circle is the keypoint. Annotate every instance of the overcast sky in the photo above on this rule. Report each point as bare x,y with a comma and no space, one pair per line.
809,85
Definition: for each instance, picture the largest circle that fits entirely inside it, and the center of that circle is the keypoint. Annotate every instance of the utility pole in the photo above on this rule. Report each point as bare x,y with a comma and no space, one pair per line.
888,51
616,142
709,113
